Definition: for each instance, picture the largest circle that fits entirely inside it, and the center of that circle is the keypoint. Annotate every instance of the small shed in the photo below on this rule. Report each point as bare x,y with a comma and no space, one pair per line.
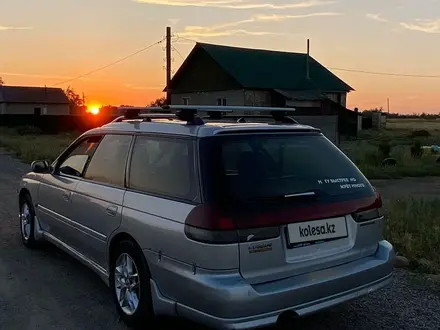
38,101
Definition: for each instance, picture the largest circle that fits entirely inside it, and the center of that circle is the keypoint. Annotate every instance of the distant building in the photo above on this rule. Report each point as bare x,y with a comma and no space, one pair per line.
223,75
17,100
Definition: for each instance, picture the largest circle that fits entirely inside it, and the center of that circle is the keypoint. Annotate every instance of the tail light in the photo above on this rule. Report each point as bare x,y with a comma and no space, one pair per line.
206,224
369,212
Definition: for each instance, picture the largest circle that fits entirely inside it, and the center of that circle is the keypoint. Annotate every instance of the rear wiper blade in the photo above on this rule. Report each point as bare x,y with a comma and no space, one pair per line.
300,194
309,194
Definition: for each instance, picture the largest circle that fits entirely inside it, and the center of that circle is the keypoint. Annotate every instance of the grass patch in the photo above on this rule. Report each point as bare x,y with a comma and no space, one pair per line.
368,158
413,227
31,145
366,154
413,123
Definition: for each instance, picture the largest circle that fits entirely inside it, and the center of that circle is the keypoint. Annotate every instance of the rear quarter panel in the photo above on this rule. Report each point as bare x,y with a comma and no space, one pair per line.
157,224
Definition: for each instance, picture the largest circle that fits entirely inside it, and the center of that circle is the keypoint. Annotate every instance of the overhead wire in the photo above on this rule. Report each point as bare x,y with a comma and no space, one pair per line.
395,74
177,51
110,64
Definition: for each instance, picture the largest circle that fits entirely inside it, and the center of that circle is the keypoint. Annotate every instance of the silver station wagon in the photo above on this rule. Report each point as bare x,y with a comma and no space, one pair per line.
234,224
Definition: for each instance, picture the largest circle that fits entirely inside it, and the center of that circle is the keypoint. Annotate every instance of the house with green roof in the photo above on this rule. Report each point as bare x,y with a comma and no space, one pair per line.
224,75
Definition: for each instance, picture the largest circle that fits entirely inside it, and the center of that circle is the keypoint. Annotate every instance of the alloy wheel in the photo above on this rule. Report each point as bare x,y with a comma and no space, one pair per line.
25,221
127,284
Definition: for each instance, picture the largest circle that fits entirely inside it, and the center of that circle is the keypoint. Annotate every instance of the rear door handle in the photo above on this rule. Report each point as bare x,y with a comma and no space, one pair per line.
66,195
112,210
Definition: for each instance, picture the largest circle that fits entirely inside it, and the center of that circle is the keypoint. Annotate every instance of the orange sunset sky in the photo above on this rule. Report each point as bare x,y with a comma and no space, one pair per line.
45,42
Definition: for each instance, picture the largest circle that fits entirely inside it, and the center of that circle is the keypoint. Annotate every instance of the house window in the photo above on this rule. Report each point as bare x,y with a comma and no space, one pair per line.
185,100
37,111
221,101
339,98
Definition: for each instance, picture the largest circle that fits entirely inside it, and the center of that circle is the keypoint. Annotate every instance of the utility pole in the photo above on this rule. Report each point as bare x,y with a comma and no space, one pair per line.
308,60
168,68
388,105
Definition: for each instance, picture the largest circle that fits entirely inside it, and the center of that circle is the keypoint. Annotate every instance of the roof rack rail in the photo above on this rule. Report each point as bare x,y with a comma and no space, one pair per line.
188,113
145,117
278,117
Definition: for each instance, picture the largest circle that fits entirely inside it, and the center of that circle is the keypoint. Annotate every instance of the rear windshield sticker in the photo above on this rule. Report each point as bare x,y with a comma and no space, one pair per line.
344,183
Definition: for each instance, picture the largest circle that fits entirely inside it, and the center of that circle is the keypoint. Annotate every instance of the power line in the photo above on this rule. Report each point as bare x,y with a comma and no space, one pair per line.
177,51
110,64
183,38
388,73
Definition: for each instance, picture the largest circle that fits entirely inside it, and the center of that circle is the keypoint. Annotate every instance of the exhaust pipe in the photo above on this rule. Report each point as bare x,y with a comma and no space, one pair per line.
286,318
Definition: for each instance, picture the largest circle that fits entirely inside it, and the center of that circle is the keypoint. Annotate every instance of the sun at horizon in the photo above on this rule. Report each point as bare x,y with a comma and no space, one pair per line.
94,109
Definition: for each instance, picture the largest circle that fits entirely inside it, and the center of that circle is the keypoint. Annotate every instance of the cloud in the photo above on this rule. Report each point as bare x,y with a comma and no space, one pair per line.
9,28
236,4
32,75
423,25
376,17
228,29
174,21
226,33
278,18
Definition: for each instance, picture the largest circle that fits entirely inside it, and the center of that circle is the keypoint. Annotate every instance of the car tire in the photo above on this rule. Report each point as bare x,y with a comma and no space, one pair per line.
124,287
27,222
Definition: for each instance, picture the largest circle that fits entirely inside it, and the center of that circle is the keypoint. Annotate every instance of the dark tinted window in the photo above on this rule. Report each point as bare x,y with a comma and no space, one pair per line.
248,167
108,162
163,166
75,162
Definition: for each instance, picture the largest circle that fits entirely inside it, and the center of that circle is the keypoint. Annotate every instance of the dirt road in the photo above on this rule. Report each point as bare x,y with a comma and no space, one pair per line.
49,290
428,187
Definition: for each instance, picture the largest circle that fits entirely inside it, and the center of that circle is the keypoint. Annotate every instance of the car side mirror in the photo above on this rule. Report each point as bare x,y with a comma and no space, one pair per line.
41,166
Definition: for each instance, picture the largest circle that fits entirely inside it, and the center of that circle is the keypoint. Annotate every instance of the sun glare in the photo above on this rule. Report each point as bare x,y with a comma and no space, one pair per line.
94,110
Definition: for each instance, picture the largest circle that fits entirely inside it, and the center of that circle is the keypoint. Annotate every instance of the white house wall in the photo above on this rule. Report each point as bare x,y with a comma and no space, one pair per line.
305,104
327,124
233,97
257,98
334,98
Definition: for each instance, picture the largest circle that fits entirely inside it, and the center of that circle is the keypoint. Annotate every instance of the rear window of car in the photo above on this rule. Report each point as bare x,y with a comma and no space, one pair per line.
266,166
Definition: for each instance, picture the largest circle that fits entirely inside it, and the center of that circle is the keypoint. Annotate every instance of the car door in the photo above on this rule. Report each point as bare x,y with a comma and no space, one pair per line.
98,197
55,209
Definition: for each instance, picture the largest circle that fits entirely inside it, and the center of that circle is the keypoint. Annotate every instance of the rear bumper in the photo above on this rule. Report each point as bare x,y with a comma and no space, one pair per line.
226,301
269,319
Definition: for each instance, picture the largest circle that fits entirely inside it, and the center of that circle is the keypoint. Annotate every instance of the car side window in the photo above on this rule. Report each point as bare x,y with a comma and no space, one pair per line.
108,162
76,161
163,166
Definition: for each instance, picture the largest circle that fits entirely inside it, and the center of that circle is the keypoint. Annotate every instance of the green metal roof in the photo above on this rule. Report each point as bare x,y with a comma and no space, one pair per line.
265,69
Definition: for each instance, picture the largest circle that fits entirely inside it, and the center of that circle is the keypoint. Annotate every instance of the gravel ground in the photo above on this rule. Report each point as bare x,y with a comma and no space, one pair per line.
49,290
